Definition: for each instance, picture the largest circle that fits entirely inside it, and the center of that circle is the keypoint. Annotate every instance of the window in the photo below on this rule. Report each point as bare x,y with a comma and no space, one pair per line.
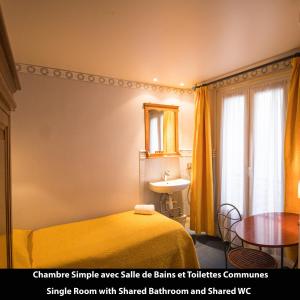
267,166
251,149
233,144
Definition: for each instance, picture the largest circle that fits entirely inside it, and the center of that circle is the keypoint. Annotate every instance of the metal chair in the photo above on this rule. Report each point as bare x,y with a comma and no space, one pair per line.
234,251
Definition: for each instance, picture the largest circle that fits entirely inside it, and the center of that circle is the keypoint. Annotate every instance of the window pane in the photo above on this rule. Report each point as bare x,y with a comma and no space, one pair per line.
268,120
232,151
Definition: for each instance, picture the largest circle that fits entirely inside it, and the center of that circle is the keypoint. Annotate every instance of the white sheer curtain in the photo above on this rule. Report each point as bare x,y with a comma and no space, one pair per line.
258,154
232,151
267,149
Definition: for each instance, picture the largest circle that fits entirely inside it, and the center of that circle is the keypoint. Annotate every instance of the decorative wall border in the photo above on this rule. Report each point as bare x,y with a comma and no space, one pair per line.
248,75
99,79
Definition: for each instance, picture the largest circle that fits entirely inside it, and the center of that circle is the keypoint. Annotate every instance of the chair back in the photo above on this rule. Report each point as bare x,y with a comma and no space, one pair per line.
228,217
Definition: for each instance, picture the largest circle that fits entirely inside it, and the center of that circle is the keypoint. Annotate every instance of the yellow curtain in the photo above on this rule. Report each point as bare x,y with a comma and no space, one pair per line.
292,141
292,147
169,139
202,199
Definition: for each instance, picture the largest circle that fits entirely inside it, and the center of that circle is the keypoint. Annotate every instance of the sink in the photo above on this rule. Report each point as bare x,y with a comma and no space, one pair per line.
169,186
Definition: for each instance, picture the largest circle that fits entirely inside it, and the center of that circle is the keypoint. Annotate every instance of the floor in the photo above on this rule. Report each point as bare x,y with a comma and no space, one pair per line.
210,252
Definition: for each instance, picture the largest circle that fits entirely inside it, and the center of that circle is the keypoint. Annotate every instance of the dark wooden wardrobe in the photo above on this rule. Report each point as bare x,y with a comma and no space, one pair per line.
9,84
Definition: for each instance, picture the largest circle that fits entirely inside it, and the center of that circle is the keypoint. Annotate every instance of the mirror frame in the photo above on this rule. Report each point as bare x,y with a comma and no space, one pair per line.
159,107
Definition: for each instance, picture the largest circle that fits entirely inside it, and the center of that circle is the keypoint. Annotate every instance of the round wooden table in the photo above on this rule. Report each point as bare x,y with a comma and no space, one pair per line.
273,230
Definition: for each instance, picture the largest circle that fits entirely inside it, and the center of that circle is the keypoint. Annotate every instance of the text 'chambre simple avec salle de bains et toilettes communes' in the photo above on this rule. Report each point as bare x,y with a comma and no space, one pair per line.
146,274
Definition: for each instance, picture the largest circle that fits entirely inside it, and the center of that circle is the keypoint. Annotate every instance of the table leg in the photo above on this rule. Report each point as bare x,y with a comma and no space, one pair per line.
281,257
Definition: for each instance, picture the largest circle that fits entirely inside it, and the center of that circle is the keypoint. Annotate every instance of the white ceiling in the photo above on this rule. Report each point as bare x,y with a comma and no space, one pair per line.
174,40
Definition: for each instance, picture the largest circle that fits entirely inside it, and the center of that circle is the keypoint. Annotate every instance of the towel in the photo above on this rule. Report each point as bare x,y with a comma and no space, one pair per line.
144,209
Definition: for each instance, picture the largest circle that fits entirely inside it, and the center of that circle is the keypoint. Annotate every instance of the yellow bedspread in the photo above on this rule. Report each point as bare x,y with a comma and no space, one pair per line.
124,240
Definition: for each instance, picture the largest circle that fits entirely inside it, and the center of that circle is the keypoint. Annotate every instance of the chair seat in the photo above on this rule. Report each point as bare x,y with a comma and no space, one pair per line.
245,258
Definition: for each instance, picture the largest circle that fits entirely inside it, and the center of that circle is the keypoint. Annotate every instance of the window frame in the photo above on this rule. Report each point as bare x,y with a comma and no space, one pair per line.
248,90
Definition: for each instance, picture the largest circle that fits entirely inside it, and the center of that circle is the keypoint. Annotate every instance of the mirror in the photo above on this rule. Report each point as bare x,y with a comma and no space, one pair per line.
161,129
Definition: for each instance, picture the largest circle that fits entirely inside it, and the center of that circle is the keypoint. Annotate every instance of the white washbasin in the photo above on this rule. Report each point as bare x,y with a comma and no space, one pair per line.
169,186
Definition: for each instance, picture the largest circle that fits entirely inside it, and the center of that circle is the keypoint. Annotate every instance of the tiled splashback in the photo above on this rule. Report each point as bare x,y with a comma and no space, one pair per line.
152,169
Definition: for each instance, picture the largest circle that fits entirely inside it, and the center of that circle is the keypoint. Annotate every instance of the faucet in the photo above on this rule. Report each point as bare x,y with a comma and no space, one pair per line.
166,174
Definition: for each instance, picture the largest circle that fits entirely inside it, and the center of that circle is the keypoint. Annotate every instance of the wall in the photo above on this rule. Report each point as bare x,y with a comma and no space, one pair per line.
76,147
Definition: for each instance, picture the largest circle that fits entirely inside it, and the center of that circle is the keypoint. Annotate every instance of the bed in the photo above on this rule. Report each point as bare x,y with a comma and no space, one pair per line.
123,240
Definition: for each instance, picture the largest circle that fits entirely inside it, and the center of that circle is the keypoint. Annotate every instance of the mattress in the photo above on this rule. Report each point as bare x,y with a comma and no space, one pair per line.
124,240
